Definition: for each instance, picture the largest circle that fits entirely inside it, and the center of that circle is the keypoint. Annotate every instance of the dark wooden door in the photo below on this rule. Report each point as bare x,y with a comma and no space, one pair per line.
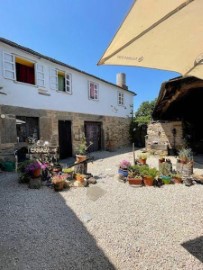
93,134
65,140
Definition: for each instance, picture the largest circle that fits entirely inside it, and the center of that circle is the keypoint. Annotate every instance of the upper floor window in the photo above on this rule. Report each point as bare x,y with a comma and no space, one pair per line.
22,70
93,91
120,98
25,71
59,80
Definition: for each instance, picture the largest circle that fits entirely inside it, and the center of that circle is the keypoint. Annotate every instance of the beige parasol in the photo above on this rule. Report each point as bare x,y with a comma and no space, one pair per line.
162,34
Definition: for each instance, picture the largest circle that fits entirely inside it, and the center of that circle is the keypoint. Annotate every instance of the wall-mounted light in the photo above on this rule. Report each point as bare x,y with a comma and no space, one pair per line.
3,116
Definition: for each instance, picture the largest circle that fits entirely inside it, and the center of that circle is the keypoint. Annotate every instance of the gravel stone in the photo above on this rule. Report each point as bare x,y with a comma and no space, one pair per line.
125,228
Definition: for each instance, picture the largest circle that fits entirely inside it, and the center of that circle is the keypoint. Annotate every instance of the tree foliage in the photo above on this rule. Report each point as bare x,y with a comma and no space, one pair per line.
144,113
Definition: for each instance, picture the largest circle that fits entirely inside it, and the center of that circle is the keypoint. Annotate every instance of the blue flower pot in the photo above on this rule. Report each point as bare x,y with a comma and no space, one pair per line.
123,172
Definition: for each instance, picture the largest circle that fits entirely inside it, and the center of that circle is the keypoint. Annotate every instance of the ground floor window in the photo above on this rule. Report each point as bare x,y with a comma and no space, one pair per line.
27,129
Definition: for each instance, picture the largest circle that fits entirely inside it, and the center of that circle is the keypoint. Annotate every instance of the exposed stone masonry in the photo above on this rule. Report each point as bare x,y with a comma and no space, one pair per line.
160,136
115,131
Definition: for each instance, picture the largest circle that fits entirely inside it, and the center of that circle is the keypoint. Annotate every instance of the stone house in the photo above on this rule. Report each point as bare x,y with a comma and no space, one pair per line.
177,117
42,98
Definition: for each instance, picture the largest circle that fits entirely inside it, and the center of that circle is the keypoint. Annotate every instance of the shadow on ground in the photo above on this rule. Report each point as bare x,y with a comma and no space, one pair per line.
195,247
39,231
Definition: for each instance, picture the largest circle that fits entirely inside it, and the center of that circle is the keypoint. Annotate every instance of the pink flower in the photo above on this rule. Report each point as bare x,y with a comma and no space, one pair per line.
124,164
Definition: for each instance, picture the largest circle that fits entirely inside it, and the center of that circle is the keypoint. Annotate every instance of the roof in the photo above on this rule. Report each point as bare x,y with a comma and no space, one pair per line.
13,44
177,91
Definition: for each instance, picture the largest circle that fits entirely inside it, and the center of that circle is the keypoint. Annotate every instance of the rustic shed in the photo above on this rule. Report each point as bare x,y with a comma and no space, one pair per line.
180,99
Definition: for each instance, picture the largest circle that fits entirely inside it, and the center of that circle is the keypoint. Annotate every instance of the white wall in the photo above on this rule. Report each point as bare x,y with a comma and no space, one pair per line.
26,95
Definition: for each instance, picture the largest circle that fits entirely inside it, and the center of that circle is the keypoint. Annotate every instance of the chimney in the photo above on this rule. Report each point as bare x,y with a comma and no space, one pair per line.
121,80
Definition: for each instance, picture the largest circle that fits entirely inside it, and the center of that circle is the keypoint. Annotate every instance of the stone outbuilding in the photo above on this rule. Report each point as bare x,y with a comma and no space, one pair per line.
177,117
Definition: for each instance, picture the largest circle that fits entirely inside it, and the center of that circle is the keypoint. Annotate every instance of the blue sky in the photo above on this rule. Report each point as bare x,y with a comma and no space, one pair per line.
77,32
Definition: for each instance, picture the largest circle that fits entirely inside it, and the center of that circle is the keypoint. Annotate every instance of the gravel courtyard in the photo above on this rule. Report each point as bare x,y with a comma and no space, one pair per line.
110,225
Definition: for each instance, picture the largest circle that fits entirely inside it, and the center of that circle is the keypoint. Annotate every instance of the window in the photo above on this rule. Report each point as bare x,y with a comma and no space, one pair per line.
21,70
120,98
27,129
25,71
59,80
93,91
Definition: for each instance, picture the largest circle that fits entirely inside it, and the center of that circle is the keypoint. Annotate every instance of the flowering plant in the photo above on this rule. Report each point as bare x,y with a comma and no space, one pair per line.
58,178
35,165
124,164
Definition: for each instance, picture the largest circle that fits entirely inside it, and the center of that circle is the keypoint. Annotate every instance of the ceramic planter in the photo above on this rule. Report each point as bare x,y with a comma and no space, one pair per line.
123,172
177,180
80,158
135,181
36,173
142,161
148,180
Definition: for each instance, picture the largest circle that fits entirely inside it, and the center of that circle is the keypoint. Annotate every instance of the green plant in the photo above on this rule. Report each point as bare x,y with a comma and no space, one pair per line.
185,155
83,146
165,168
134,170
147,171
142,156
22,166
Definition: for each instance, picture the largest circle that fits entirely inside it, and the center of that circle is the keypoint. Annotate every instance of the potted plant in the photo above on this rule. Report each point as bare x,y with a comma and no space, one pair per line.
184,163
33,169
148,175
58,181
142,157
134,177
123,167
177,178
185,155
82,149
161,159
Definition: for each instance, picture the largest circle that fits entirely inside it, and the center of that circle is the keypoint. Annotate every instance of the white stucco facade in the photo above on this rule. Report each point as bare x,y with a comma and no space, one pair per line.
26,95
57,103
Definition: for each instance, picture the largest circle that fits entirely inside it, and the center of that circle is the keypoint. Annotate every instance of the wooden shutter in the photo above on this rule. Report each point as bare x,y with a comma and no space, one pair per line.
53,79
40,75
9,66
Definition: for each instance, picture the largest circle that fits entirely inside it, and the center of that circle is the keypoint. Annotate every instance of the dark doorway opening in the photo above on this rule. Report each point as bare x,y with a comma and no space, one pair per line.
93,134
65,139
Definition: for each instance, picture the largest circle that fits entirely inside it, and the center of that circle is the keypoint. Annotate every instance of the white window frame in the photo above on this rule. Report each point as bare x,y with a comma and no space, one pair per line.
40,76
68,83
12,70
121,100
54,80
96,91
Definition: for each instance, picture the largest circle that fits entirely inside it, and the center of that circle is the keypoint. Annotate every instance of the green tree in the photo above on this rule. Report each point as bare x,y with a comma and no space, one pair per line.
144,113
138,126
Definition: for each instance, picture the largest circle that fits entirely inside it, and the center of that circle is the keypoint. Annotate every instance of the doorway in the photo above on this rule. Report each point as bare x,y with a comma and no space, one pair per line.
65,139
93,134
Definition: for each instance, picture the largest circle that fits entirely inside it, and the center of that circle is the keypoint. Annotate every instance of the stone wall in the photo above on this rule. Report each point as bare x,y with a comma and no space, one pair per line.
161,137
115,130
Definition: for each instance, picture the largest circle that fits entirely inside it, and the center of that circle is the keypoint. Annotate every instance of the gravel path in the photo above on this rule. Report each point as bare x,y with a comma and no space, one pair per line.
122,227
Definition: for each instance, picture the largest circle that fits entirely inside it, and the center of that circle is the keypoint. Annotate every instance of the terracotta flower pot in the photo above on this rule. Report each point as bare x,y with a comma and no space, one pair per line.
148,180
177,180
36,173
80,158
59,186
142,161
135,181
